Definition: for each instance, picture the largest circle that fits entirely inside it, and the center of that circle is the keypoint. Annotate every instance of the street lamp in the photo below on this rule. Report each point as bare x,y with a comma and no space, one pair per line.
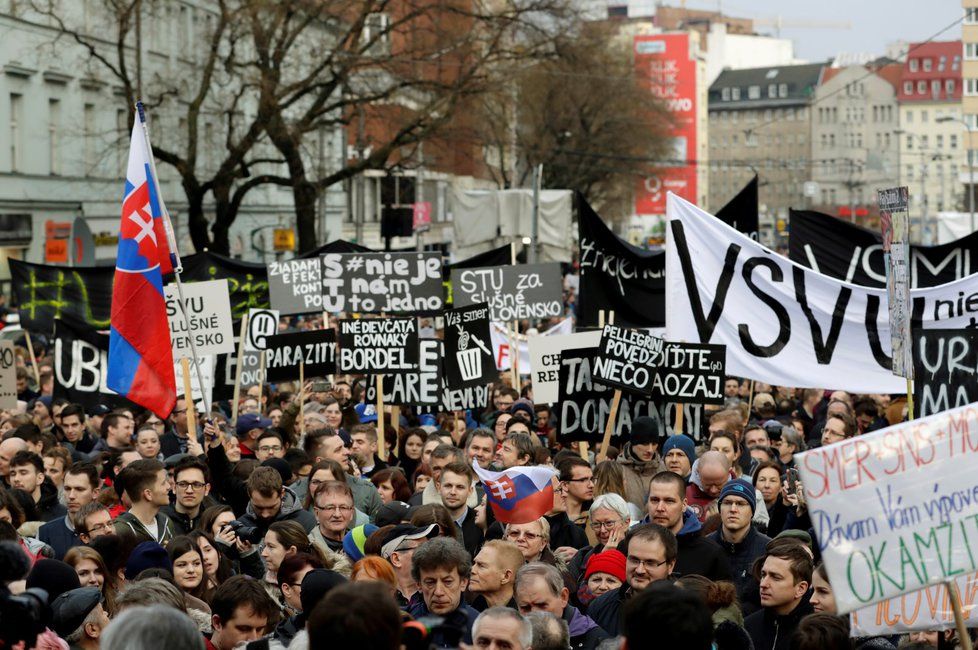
971,171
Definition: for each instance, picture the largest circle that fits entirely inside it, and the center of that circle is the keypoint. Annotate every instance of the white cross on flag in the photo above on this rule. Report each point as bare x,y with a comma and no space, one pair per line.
518,495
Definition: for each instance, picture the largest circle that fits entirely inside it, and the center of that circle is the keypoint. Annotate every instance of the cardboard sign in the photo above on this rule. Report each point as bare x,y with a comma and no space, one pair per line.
926,609
513,292
628,359
208,318
422,386
206,369
8,376
262,323
468,360
378,345
284,352
395,283
463,399
296,286
691,373
896,510
545,361
945,368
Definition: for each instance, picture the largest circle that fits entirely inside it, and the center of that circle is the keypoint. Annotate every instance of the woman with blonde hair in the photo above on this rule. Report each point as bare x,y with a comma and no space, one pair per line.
92,572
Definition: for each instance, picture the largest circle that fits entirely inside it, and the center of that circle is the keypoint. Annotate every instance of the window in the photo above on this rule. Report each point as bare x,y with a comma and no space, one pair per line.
910,142
971,87
876,114
953,141
54,133
767,115
725,94
923,142
935,87
939,144
734,117
927,65
909,116
772,90
907,87
376,34
923,116
949,86
789,114
733,139
735,94
970,51
909,172
971,120
16,127
782,90
886,140
956,63
921,87
824,140
971,16
753,92
831,139
914,65
941,63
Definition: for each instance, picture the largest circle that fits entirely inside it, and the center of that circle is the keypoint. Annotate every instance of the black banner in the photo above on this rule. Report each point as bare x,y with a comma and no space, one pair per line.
421,386
378,345
80,295
469,361
81,363
740,212
628,359
284,352
848,252
945,367
247,282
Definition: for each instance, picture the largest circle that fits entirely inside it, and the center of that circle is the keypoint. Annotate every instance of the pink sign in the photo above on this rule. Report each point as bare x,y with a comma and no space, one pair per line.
422,216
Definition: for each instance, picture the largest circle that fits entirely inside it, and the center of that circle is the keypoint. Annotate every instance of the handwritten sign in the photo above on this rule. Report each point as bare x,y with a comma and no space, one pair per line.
945,368
926,609
896,510
469,361
296,286
691,373
262,323
206,370
396,283
628,359
895,225
378,345
545,361
513,292
316,349
208,310
8,376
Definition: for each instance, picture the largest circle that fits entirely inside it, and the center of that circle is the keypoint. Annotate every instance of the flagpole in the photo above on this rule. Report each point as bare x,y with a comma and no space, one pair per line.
174,253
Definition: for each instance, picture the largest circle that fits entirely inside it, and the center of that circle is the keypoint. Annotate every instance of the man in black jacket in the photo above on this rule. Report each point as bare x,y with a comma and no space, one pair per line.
785,577
27,474
667,507
540,588
740,541
192,485
81,488
454,485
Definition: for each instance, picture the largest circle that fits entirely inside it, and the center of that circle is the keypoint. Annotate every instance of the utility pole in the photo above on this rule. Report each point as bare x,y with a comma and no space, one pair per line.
535,224
419,190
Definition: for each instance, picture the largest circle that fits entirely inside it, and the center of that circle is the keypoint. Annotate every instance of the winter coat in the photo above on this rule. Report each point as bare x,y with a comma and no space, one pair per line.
419,609
605,610
127,523
60,535
740,557
770,631
638,474
697,554
291,510
48,506
585,634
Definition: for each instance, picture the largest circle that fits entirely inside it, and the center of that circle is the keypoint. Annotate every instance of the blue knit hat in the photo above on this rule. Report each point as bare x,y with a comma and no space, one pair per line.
354,540
147,555
681,442
742,488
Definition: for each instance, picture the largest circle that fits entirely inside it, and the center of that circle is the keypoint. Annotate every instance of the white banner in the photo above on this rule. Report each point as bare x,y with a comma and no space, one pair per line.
544,354
208,308
501,344
896,510
785,324
926,609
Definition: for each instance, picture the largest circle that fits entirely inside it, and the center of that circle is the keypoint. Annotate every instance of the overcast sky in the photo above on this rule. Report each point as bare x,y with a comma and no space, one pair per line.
874,23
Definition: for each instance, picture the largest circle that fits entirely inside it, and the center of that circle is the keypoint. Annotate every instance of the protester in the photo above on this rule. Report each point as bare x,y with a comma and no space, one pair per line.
241,609
784,576
640,460
79,618
27,474
156,627
665,616
148,487
81,487
493,575
726,614
708,476
93,572
540,587
550,632
399,545
740,540
441,568
358,615
679,454
191,484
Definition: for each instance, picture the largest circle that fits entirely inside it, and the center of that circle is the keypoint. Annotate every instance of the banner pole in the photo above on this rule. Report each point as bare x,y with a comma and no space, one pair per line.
514,341
188,395
678,430
963,638
609,427
261,371
395,425
909,399
380,414
30,353
237,371
750,401
302,398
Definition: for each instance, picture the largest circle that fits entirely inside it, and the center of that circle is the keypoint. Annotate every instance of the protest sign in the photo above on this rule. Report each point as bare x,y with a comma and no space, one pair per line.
690,373
461,399
895,224
208,310
79,295
225,367
513,292
296,286
469,361
421,386
925,609
784,324
81,363
945,369
206,370
545,361
845,251
262,323
627,359
395,283
895,510
247,281
284,352
378,345
8,376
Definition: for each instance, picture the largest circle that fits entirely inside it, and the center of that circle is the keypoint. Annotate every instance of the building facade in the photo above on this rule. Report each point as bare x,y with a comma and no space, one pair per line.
969,99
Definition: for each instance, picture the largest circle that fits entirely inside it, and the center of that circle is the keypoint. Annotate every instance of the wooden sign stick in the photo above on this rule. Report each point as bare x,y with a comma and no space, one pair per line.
188,396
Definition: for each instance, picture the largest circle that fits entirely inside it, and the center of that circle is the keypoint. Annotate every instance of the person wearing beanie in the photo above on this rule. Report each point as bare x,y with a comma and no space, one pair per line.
679,454
640,460
53,576
147,555
711,471
355,539
605,571
740,541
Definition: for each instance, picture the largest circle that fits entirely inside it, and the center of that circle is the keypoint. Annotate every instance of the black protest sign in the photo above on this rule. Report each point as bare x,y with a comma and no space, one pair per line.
469,360
78,295
316,349
393,283
81,364
225,371
422,386
628,359
463,399
690,373
945,366
513,292
378,345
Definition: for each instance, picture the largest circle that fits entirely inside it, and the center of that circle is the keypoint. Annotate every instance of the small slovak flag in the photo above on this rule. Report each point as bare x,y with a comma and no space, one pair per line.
518,495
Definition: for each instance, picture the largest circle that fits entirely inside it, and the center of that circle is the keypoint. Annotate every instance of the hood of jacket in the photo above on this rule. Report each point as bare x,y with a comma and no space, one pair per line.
49,497
691,525
577,623
694,475
290,504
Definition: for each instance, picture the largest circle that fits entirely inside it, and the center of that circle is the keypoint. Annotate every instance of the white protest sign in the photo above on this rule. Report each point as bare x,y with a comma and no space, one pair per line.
8,376
925,609
501,351
262,323
785,324
896,510
208,308
206,369
545,361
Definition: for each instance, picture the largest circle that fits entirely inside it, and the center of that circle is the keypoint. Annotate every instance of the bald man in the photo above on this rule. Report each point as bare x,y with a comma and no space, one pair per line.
710,474
8,448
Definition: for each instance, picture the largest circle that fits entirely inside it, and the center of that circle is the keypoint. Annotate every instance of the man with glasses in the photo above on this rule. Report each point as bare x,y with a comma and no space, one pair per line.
269,445
577,483
740,541
711,473
333,506
398,548
192,487
91,521
81,487
650,556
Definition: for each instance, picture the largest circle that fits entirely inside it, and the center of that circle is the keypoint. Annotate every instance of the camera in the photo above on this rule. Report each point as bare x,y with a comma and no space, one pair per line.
245,532
434,632
24,616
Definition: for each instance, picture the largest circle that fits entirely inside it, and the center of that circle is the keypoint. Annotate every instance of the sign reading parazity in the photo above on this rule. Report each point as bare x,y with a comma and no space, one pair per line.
314,349
394,283
379,345
513,292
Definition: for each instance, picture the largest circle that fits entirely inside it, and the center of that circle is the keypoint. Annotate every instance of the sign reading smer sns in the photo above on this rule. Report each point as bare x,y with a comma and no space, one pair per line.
378,345
208,310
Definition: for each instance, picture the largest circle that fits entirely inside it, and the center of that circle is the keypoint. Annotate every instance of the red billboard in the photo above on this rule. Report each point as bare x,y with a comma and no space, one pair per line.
664,63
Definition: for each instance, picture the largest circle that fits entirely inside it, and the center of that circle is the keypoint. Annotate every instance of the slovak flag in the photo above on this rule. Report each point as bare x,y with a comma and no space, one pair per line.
140,352
518,495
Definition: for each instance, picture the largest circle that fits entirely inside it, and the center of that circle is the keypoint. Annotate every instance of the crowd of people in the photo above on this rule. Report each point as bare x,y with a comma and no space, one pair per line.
302,527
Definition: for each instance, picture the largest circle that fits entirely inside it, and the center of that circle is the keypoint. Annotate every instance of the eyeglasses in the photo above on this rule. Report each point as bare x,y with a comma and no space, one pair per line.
516,534
98,527
332,509
270,448
179,411
648,564
607,525
196,486
586,479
